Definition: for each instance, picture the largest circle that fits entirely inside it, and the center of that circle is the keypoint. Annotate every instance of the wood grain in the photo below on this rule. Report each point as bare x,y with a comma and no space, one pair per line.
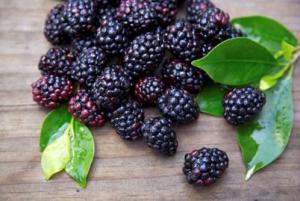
125,171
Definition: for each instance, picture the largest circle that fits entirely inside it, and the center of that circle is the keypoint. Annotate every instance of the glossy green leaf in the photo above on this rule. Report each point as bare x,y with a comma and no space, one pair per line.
210,99
236,62
54,125
288,50
56,155
263,140
83,150
266,32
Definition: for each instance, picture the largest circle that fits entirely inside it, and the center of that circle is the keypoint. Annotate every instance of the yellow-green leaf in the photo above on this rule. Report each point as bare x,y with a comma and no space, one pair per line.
56,155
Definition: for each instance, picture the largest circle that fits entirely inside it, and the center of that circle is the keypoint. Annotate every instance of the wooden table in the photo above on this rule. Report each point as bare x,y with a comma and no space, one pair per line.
125,171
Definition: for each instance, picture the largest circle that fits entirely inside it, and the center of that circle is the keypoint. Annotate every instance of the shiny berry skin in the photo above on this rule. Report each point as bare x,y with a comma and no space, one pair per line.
159,136
242,104
128,119
204,166
183,76
178,105
84,109
148,90
50,91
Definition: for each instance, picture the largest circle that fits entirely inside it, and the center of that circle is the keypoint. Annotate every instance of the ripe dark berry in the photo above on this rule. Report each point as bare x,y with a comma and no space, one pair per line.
54,26
182,42
144,54
243,104
88,66
58,61
50,91
137,15
228,32
112,37
105,14
81,44
111,87
166,10
83,108
210,22
178,105
148,90
79,16
203,167
196,8
128,119
104,3
158,135
206,48
183,76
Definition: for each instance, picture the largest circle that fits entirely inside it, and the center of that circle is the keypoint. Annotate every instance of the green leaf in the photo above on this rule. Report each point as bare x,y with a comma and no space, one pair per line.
53,126
236,62
56,155
263,140
83,150
266,32
210,99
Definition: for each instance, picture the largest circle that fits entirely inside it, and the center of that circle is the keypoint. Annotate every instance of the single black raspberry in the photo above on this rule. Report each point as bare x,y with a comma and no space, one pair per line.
148,90
111,87
137,15
58,61
80,17
183,75
83,43
166,10
182,42
243,104
228,32
144,53
210,22
178,105
83,108
196,8
158,135
128,119
54,26
50,91
204,166
88,66
112,37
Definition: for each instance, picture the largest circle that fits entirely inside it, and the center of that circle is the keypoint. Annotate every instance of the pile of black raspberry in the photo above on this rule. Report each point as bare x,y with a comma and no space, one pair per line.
111,59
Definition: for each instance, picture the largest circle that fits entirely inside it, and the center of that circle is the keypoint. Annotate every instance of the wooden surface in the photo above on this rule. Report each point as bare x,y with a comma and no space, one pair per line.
125,171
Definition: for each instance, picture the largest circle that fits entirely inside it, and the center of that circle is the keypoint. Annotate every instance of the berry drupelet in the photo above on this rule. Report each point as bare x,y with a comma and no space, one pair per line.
88,66
148,90
144,54
57,61
203,167
128,119
112,37
243,104
137,15
54,26
79,16
228,32
111,87
178,105
50,91
158,135
183,75
182,42
83,108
